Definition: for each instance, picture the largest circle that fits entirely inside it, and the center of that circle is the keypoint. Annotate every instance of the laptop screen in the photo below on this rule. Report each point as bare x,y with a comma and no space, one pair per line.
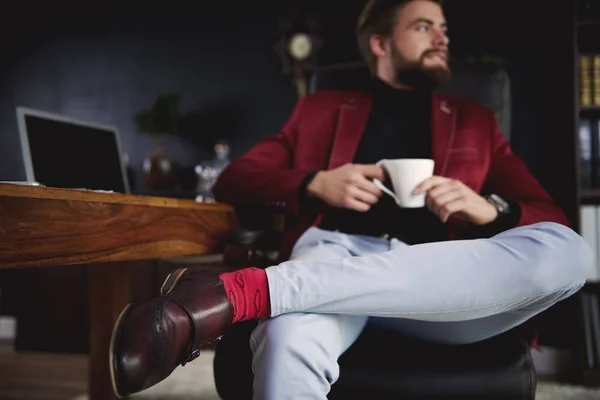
64,153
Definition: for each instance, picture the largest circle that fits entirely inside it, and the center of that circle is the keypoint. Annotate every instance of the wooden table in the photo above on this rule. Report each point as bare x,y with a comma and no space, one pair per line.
45,227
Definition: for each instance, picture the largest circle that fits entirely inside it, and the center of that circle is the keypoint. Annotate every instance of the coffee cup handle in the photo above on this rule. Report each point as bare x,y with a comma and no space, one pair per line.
381,186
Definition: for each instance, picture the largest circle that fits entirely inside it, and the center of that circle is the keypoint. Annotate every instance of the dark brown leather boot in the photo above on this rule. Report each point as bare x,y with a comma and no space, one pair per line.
152,338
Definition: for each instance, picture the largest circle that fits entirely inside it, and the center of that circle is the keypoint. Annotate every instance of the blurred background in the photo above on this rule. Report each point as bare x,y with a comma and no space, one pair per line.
191,85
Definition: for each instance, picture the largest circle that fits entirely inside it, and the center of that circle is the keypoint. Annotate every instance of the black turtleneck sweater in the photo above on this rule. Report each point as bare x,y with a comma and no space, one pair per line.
399,126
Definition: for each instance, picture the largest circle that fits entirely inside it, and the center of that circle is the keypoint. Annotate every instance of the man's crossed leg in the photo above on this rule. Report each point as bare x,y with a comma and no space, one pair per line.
319,302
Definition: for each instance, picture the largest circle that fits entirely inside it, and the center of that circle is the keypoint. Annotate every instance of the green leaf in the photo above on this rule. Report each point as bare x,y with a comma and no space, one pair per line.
162,118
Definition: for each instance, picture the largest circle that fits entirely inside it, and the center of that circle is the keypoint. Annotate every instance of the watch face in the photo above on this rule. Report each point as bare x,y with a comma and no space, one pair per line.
300,46
499,202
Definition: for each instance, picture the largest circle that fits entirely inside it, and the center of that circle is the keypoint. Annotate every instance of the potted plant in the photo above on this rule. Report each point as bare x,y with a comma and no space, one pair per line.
161,122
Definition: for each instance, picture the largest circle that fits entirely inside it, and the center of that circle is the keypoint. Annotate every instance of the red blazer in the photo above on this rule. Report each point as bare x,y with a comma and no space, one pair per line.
324,131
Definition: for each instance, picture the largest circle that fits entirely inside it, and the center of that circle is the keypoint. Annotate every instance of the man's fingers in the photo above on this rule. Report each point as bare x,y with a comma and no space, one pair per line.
363,196
368,186
356,205
450,208
436,203
371,171
442,189
429,183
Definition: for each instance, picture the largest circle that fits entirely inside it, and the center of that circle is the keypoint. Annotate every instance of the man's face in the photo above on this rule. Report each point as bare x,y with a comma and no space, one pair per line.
418,47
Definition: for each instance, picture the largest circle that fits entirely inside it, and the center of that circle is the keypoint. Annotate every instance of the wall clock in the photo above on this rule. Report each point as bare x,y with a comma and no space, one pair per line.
297,47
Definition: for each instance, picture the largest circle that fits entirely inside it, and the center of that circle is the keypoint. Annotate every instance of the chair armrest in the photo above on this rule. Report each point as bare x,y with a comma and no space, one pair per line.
264,239
243,236
251,248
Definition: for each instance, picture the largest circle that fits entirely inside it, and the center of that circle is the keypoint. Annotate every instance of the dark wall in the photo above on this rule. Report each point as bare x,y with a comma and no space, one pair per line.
105,65
104,69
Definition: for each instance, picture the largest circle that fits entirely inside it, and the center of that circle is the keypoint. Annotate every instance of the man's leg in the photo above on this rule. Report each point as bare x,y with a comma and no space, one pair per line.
469,331
295,355
524,270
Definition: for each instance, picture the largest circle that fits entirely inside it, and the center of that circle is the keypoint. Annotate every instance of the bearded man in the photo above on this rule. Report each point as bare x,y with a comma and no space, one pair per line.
489,249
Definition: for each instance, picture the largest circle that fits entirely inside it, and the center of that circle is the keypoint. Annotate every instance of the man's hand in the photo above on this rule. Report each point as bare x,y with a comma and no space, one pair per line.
448,197
348,186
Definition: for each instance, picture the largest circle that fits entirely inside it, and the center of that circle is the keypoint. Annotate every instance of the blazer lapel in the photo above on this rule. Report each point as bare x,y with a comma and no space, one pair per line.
352,120
443,124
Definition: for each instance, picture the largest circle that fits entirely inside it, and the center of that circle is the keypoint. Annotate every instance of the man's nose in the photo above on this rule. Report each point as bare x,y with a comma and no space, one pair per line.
440,39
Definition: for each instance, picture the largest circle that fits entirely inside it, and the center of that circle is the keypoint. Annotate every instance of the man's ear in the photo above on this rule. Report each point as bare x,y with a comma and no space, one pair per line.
379,45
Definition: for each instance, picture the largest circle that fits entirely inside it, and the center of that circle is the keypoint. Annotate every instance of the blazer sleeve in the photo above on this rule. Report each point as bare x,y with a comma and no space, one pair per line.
264,175
509,177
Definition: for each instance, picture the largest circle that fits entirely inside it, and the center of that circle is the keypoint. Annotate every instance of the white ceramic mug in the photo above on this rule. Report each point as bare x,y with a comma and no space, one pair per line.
406,174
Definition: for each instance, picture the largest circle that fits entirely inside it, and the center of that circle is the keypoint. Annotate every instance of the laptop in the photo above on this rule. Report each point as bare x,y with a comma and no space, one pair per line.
64,152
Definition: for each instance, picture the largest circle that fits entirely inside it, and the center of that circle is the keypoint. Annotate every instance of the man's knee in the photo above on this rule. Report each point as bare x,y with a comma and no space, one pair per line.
565,258
297,354
281,332
297,339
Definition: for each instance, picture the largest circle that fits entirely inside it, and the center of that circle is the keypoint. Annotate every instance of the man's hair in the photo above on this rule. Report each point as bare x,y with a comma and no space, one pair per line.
378,18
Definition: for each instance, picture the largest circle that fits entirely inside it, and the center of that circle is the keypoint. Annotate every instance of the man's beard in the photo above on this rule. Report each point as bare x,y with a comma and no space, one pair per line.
416,75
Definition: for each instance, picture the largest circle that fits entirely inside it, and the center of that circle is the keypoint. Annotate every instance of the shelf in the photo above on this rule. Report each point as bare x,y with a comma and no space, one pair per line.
590,196
591,22
591,109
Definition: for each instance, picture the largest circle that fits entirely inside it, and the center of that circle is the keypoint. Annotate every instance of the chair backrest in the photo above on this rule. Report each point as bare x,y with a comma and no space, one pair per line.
486,84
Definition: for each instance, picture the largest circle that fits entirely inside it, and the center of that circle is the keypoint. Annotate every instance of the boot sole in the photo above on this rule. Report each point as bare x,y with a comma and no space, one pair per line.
111,356
171,281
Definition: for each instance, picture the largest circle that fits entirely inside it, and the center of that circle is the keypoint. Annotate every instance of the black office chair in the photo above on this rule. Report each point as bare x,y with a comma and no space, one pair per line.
486,84
383,364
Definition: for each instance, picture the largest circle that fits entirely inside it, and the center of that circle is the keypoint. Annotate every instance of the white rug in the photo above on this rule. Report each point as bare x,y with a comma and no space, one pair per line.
192,382
195,382
554,391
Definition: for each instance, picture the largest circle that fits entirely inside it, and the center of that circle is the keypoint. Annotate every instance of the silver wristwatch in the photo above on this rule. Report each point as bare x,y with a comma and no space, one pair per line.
501,205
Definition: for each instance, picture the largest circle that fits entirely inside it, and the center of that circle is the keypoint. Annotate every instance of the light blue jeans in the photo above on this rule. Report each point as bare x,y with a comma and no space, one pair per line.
449,292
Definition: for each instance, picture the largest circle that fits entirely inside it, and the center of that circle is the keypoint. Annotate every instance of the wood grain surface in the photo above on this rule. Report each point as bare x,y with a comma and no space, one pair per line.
109,294
42,226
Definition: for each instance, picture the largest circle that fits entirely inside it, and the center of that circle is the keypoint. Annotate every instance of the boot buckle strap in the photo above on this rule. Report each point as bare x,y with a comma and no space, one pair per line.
191,357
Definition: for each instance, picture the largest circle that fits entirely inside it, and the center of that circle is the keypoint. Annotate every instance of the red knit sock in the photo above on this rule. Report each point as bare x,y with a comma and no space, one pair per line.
248,291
